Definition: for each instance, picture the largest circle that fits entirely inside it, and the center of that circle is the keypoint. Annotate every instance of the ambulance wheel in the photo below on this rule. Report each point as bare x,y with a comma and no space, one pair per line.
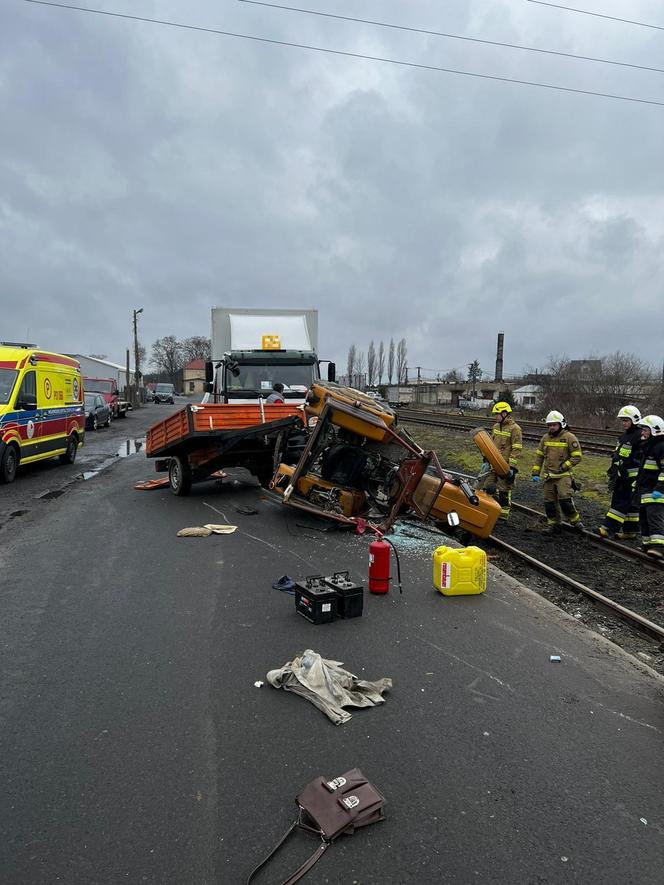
179,476
72,447
8,465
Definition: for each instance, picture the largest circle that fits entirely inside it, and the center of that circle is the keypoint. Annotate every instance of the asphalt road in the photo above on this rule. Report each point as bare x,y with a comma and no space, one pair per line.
43,481
135,747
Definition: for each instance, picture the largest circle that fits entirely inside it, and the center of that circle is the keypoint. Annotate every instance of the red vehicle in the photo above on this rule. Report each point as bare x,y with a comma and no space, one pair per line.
108,388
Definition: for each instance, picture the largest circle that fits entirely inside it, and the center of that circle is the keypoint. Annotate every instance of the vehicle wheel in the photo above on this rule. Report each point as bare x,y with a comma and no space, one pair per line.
9,465
95,423
108,423
122,414
179,476
72,448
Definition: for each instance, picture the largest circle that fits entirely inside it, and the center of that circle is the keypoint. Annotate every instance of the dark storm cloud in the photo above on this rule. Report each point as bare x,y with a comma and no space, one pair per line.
142,166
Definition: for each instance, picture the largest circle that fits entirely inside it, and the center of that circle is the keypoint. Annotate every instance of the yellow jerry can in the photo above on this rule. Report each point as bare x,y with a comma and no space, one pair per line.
459,571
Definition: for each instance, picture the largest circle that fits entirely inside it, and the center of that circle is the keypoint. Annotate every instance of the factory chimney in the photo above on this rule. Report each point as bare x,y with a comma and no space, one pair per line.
499,357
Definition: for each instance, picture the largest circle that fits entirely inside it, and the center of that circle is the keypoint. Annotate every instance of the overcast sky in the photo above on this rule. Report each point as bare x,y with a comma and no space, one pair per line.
148,166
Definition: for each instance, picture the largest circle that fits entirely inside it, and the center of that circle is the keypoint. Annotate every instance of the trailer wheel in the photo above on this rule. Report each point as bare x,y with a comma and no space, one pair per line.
179,476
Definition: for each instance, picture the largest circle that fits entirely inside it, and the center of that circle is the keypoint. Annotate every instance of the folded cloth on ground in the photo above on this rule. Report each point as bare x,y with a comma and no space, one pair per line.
284,583
328,686
220,529
194,531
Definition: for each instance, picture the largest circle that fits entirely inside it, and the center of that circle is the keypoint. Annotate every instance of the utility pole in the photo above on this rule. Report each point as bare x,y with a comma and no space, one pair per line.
137,359
419,374
127,388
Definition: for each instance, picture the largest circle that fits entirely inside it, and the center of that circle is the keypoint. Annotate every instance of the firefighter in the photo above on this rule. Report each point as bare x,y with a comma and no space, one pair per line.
622,520
557,454
649,486
506,435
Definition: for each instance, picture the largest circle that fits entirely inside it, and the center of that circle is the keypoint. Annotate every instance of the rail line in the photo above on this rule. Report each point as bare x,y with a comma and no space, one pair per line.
621,550
643,625
453,423
523,422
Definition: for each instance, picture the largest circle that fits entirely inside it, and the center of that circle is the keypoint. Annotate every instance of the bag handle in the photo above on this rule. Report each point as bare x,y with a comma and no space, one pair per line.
306,866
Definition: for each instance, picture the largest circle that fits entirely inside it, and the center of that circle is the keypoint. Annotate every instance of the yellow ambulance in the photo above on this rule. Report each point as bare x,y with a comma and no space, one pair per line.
42,411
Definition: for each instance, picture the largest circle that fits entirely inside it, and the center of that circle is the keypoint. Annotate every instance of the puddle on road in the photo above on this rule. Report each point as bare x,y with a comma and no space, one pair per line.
128,447
47,496
131,447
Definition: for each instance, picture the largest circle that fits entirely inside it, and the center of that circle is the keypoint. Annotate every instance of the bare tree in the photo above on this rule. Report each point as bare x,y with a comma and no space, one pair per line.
350,363
402,358
381,362
390,362
453,377
198,347
371,364
591,391
167,356
360,363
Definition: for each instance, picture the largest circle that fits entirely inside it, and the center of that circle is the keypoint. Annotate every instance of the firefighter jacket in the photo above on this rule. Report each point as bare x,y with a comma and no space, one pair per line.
556,455
650,477
627,456
507,439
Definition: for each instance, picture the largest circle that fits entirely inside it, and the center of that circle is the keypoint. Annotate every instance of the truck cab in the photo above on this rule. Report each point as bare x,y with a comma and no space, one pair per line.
108,388
253,349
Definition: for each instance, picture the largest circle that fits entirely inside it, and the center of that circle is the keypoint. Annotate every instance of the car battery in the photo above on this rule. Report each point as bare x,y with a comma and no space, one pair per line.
350,596
314,600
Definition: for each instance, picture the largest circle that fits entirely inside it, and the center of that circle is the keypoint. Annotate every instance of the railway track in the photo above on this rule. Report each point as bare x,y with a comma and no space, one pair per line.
452,422
634,619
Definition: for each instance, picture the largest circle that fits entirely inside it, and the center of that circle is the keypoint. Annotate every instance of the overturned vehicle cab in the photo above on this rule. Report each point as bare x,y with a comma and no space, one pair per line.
358,467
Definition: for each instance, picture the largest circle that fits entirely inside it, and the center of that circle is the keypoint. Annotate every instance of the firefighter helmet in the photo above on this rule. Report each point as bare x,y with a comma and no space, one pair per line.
630,412
556,418
654,423
502,406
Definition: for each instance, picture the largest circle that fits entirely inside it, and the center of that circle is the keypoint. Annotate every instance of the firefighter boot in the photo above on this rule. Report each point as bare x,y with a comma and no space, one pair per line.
552,518
571,514
505,501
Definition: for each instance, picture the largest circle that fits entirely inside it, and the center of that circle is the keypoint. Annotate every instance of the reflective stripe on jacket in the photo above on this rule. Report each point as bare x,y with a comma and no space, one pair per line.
557,454
507,439
627,455
650,477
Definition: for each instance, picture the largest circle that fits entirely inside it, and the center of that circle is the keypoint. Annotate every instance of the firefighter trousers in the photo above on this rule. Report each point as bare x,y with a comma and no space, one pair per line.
651,525
501,489
622,514
557,495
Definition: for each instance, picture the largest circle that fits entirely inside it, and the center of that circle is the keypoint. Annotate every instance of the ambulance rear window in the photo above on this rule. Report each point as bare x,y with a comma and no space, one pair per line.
7,379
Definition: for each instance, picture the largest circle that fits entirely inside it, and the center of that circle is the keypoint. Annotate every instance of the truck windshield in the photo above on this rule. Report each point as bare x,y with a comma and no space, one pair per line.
98,386
164,388
7,379
296,379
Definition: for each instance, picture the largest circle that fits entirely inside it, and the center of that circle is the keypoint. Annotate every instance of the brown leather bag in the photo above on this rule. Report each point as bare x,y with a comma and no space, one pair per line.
328,808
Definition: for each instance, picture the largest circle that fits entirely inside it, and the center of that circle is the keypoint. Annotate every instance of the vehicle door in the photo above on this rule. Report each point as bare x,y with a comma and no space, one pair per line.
29,418
104,411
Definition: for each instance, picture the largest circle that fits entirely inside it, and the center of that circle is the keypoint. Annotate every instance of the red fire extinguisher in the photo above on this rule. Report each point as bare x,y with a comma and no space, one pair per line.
379,566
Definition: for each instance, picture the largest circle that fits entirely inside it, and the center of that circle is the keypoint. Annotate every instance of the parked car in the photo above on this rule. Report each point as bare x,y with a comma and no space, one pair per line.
164,393
97,411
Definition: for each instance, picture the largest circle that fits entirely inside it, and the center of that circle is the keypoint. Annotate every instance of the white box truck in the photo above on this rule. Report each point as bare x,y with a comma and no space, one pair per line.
254,348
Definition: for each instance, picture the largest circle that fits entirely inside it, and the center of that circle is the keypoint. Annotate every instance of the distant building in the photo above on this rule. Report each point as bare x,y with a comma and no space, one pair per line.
92,367
193,378
585,368
527,396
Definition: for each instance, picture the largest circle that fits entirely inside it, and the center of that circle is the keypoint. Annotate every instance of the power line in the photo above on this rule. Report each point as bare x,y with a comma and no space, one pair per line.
613,18
413,30
347,54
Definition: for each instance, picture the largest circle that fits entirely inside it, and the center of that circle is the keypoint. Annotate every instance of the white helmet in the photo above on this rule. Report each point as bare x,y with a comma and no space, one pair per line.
654,423
556,418
630,412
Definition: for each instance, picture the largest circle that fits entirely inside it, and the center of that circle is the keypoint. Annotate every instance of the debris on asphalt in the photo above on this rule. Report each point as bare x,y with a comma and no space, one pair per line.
247,511
327,685
258,684
643,821
148,484
555,659
204,531
196,531
285,584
